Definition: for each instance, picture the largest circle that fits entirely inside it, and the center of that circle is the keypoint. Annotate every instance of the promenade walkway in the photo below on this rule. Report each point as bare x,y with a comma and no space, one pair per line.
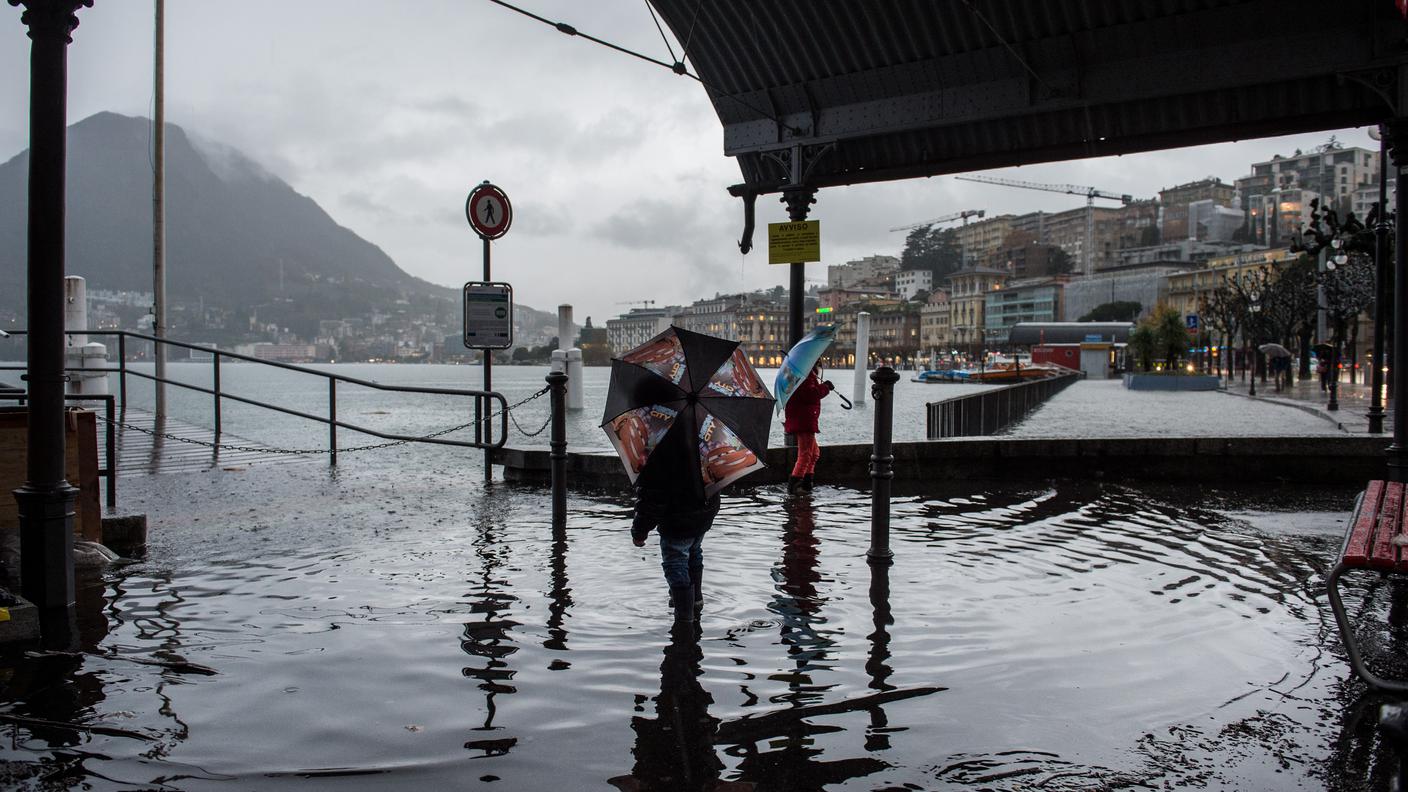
1354,400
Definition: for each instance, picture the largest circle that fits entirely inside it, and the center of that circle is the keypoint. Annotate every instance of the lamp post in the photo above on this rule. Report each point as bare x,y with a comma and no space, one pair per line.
1337,258
1381,296
1253,308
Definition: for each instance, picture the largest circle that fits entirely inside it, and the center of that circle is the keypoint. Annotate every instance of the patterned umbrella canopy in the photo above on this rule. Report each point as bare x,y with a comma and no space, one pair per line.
686,412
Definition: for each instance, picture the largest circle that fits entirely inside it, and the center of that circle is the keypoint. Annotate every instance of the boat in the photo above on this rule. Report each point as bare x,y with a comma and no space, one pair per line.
994,374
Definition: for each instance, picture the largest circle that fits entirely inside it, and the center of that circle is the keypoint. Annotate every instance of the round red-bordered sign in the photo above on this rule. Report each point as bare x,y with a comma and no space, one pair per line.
489,211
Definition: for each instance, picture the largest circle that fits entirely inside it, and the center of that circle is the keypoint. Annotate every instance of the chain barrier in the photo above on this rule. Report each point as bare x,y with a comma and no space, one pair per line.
310,451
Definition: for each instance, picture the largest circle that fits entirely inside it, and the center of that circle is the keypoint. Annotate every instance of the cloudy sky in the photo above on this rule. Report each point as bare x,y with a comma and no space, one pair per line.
387,113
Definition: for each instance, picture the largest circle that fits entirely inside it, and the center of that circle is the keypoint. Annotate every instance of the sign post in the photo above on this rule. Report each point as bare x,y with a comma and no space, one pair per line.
489,214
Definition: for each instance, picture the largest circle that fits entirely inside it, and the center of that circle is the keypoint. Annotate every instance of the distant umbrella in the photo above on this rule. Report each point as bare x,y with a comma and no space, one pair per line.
1274,350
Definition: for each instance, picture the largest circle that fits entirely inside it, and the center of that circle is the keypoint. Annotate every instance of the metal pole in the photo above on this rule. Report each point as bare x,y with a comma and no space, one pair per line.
488,388
1398,369
159,211
215,382
46,499
122,369
332,421
557,445
881,466
1381,296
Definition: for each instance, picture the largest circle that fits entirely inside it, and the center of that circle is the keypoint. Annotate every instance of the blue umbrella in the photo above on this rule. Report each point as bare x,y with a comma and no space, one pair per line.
799,362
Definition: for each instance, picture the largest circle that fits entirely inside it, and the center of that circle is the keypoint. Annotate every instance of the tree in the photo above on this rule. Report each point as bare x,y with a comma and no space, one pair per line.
933,249
1142,343
1170,336
1117,311
1059,262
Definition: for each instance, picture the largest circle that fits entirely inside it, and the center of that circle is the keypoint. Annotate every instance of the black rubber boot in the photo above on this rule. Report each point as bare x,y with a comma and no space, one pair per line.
794,485
807,483
696,579
682,600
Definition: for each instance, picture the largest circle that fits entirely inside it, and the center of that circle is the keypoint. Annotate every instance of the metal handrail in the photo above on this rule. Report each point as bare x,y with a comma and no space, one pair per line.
482,399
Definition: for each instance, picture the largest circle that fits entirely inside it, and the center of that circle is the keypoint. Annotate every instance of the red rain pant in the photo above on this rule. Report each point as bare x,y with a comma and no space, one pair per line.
808,452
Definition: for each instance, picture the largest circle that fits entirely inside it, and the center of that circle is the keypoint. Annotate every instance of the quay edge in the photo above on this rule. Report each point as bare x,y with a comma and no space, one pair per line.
1208,460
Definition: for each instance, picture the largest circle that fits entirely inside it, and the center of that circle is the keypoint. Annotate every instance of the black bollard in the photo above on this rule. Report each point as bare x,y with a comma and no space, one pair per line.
882,461
557,383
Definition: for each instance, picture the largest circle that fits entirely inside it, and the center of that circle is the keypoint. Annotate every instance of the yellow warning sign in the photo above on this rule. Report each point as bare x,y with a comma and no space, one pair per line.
790,243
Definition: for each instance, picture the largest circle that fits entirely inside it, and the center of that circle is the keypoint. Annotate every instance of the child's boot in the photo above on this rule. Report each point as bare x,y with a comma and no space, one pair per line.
794,484
807,483
682,599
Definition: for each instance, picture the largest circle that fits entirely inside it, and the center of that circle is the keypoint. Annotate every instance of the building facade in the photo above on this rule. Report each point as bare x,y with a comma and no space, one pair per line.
631,329
910,282
967,292
842,276
1175,200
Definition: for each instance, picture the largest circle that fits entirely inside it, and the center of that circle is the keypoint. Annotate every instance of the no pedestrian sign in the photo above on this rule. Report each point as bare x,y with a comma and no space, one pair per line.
489,211
792,243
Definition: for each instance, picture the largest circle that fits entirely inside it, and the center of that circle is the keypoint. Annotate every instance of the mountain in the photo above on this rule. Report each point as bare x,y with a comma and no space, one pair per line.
236,236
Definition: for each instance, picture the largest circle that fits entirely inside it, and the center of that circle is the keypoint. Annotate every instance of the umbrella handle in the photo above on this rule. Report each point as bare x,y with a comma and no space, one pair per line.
845,403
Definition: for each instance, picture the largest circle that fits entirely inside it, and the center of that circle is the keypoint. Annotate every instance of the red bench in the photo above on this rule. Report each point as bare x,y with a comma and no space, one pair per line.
1374,542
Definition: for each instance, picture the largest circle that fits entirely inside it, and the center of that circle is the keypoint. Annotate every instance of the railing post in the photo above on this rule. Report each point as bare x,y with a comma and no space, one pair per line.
122,368
557,383
881,465
215,382
111,450
332,421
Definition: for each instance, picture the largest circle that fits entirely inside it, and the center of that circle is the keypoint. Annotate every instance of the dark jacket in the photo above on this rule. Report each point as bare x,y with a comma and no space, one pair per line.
676,515
804,406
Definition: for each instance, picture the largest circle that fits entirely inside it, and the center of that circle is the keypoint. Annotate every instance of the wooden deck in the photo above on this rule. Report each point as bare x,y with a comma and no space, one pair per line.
142,453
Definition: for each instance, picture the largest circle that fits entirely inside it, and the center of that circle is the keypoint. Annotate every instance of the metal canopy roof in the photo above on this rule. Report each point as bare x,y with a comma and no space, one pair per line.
892,89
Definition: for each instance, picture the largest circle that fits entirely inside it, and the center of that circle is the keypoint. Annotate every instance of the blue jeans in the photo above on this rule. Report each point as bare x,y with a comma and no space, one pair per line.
679,556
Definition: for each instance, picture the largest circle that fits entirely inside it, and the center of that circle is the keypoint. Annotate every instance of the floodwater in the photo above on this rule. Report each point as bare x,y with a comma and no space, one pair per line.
391,625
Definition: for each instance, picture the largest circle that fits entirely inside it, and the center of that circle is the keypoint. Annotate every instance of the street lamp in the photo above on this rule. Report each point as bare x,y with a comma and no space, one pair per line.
1253,308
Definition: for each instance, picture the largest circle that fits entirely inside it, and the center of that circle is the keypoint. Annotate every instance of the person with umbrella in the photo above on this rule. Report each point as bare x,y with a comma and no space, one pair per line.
802,414
799,390
688,416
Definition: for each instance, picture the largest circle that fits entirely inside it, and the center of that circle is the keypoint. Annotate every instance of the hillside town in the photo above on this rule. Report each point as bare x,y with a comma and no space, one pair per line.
1090,263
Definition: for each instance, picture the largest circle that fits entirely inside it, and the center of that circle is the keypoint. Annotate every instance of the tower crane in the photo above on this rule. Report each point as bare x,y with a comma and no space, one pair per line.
1090,193
948,218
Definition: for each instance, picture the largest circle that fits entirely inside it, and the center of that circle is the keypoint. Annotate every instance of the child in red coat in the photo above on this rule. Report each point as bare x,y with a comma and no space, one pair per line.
799,419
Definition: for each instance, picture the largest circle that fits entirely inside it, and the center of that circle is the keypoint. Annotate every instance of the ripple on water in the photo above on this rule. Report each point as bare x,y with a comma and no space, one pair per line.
1020,637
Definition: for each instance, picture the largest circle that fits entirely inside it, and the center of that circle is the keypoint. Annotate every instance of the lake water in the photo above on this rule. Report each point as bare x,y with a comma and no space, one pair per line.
1086,409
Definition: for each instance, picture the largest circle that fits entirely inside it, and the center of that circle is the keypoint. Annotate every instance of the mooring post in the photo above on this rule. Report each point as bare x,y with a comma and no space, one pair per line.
882,461
557,383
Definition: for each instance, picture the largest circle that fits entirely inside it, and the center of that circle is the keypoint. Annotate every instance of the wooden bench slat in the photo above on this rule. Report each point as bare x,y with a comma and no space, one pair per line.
1383,553
1361,533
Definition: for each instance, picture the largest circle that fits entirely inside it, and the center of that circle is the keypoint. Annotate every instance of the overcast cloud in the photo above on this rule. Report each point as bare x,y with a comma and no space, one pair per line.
387,113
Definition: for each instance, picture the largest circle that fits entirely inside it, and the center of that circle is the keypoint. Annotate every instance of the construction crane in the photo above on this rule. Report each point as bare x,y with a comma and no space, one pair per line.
646,303
948,218
1090,193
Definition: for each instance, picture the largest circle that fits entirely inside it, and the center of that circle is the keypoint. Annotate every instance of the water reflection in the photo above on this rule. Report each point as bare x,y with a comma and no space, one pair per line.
559,598
798,605
674,751
489,637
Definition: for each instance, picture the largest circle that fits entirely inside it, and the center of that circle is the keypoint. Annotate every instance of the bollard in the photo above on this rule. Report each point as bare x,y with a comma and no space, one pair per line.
881,465
557,382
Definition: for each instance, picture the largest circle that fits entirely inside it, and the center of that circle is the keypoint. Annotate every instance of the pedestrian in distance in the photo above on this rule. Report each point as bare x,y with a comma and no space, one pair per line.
1322,367
681,520
800,420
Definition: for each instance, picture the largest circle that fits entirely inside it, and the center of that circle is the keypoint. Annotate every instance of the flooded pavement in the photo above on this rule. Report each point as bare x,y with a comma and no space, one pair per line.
294,627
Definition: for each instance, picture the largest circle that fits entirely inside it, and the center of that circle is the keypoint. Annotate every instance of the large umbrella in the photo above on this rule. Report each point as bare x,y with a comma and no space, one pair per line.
687,413
1274,350
799,361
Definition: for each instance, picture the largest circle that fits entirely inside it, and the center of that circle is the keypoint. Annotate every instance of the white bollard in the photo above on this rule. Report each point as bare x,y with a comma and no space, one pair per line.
92,358
564,327
559,360
862,356
574,379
